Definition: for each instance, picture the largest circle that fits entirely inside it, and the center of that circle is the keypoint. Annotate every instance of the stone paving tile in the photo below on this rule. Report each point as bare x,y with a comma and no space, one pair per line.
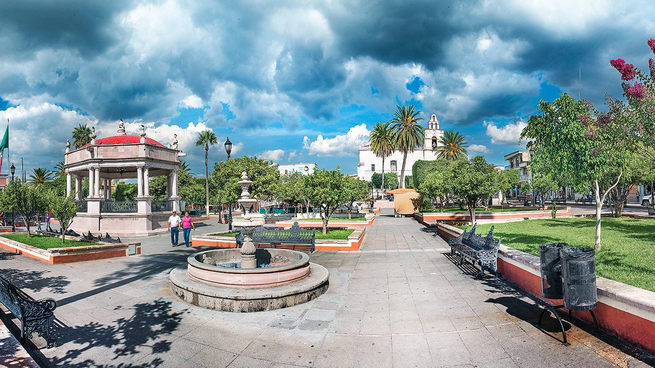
399,302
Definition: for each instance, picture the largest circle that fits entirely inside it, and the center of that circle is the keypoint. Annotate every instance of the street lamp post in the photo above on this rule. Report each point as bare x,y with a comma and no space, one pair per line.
228,150
13,212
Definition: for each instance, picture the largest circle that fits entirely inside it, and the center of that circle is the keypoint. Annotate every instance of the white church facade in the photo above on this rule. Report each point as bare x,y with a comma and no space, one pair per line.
370,164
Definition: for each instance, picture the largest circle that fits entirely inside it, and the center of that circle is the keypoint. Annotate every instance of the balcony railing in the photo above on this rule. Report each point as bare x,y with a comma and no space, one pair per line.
82,206
161,206
117,207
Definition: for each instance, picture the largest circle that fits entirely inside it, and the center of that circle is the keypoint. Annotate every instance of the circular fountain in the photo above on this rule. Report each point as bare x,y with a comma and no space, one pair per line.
248,279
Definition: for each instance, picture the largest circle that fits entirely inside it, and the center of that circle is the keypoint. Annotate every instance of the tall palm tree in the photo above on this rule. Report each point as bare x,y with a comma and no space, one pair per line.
408,133
206,139
59,169
453,146
40,175
184,166
382,143
81,136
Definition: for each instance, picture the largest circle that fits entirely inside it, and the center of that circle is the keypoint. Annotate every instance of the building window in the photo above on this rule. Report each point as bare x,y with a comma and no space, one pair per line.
434,142
373,167
394,165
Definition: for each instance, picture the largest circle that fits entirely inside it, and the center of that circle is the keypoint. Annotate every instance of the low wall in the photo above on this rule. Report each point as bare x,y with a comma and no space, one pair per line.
353,243
624,310
71,254
482,217
340,223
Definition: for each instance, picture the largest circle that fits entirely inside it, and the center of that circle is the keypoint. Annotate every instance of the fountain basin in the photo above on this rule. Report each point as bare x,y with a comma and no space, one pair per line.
261,277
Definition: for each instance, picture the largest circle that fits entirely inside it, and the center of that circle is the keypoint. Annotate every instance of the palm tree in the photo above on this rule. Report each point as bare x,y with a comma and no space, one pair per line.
453,146
408,133
206,139
59,169
40,175
184,166
81,136
382,143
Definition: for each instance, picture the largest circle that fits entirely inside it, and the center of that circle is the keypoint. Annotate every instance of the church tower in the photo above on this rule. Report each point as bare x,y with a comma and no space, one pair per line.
432,134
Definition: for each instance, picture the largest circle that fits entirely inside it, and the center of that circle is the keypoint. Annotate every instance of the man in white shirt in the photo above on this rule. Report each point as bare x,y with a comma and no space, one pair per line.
174,228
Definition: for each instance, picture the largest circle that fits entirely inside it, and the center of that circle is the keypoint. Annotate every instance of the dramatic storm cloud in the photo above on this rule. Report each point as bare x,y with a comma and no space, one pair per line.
292,80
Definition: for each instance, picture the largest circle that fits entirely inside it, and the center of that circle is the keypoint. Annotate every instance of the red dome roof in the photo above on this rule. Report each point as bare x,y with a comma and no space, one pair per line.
126,139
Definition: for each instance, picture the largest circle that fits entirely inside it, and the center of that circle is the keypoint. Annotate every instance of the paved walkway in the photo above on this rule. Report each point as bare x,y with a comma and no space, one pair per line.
399,302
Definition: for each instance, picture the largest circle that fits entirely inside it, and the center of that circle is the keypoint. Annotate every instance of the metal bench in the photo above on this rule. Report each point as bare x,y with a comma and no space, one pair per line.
345,215
279,217
34,315
479,250
295,236
651,211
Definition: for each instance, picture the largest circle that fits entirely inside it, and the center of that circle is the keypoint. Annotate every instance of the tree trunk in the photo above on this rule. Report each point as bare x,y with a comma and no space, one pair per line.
307,208
325,220
63,234
472,213
350,210
206,181
599,207
382,185
402,171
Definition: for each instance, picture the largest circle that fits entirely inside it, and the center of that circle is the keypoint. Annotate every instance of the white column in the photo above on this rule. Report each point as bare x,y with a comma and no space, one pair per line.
174,184
139,181
146,181
78,187
68,184
96,182
91,176
109,190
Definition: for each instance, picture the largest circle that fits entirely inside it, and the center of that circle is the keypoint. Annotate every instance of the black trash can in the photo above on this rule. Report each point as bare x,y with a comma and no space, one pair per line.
551,270
579,278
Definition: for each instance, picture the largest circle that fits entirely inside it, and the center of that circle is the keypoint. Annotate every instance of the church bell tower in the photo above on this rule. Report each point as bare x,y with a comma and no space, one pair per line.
432,134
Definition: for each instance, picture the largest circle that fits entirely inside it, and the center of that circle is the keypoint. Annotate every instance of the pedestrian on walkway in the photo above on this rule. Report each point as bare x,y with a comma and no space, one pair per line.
38,221
187,225
174,228
47,221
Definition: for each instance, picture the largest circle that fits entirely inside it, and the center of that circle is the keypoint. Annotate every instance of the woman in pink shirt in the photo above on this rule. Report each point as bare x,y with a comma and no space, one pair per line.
187,225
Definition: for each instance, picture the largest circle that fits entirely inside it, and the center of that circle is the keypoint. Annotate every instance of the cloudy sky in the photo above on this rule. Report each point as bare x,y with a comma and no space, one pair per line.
302,81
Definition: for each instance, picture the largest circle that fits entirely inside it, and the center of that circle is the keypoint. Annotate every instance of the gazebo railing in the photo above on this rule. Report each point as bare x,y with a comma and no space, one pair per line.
118,207
161,206
82,206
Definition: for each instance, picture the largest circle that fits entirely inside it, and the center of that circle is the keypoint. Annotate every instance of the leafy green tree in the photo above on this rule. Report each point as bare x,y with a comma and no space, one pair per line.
264,175
291,189
438,184
634,173
58,185
124,192
64,210
81,136
40,175
206,139
390,180
409,181
408,133
158,188
326,191
542,184
59,169
569,136
26,200
421,169
506,180
355,190
453,146
474,181
382,143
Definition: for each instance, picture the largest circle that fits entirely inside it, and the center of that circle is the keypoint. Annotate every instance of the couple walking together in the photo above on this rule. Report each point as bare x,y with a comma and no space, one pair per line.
174,223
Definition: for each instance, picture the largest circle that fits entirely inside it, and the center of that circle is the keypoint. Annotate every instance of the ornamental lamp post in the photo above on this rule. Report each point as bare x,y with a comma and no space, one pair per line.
13,213
228,150
532,176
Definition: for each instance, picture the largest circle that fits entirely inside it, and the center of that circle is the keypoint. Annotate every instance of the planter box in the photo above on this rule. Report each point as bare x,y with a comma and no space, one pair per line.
72,254
624,310
353,243
486,217
336,223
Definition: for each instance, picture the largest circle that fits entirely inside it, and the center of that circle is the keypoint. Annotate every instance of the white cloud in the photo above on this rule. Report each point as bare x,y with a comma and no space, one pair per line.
479,149
507,135
292,155
272,155
342,145
192,101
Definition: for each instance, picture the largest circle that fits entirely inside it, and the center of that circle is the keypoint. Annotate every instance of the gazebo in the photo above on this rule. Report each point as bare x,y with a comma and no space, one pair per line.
121,156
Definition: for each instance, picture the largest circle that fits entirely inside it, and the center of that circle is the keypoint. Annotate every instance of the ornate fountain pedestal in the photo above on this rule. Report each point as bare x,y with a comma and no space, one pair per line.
249,279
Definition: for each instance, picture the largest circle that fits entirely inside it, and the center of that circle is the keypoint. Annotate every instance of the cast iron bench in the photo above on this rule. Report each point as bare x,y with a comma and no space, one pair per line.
279,216
651,211
294,236
483,251
34,315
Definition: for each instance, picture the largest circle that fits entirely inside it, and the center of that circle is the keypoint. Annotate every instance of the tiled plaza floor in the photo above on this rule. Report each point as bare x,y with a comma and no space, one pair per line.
399,302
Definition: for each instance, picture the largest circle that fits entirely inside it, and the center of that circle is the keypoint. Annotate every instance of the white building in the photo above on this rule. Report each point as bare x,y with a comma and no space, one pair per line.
370,164
304,169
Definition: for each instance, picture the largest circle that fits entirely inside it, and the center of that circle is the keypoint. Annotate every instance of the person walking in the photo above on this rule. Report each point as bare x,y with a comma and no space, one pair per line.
187,225
38,221
174,228
47,221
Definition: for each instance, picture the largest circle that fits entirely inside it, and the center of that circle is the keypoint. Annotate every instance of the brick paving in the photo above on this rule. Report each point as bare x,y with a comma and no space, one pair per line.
400,302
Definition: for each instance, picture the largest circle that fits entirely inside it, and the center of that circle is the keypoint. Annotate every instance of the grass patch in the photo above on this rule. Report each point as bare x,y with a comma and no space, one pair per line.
46,242
334,234
627,245
482,210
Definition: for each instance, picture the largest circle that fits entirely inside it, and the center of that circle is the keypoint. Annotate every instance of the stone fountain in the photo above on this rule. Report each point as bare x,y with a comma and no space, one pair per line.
247,225
248,279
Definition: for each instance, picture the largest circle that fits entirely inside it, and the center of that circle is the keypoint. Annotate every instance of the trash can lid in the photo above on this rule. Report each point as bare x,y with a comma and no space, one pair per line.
578,252
544,247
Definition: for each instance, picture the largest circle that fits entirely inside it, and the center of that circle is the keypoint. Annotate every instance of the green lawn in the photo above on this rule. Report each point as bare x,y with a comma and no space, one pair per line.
46,242
335,234
482,210
627,245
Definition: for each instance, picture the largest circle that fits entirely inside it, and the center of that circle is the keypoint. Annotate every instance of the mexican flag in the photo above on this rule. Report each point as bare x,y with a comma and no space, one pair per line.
5,140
